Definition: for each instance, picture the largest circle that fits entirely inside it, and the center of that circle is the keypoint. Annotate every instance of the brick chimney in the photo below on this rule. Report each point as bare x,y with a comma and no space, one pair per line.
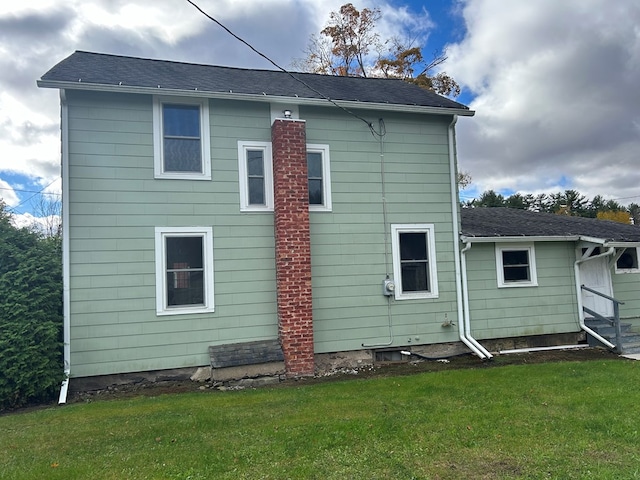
293,245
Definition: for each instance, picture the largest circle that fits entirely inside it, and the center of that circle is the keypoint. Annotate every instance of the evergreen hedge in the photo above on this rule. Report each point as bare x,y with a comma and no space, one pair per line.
31,363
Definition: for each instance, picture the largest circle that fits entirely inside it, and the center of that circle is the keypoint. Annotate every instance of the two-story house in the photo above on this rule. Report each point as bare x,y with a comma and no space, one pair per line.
206,207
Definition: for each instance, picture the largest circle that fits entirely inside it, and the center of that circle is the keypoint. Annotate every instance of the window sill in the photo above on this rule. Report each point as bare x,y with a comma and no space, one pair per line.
416,296
185,310
181,176
517,285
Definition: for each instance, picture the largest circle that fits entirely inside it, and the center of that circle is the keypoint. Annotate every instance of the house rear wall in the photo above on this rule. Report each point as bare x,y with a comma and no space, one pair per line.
115,204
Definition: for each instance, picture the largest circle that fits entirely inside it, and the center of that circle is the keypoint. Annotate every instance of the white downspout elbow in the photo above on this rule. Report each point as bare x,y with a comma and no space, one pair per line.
472,344
583,326
465,300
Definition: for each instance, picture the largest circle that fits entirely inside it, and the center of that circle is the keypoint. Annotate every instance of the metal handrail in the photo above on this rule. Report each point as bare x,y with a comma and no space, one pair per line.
601,294
616,315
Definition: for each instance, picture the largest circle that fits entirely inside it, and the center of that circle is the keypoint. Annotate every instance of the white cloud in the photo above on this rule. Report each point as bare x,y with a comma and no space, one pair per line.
556,85
8,194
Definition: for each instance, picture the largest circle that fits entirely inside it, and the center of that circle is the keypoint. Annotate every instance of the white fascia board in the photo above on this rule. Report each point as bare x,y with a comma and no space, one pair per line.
622,244
521,239
389,107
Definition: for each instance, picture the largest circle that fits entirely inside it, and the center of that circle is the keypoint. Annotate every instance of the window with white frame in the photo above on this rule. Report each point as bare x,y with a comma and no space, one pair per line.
516,266
628,261
181,138
414,261
255,169
319,177
184,270
256,176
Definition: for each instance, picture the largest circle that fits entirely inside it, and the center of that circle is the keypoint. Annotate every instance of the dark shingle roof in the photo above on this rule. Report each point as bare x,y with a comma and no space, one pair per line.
512,222
112,70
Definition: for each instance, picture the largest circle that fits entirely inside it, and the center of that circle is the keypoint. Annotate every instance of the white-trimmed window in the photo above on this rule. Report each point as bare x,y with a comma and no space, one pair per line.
414,261
319,176
628,261
255,167
516,266
184,270
181,138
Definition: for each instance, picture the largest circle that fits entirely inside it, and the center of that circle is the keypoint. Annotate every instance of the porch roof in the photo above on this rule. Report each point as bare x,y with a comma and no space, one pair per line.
501,222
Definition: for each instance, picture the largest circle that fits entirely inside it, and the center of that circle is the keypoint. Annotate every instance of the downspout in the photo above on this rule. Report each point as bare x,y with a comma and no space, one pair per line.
469,342
465,300
576,269
66,308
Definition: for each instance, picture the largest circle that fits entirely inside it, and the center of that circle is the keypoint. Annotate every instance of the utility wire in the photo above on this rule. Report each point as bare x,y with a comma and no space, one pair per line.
13,209
369,124
29,191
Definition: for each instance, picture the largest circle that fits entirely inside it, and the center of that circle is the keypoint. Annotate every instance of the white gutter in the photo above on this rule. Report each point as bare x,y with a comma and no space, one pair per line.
470,342
576,268
66,308
521,238
388,107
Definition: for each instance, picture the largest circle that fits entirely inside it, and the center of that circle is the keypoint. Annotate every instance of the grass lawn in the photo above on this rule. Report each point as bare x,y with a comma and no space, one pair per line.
555,420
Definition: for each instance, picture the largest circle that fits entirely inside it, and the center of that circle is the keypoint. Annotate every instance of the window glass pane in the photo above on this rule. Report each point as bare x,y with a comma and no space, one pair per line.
315,192
518,257
314,164
182,155
413,246
628,260
256,191
255,163
181,120
414,277
185,288
184,250
185,271
515,274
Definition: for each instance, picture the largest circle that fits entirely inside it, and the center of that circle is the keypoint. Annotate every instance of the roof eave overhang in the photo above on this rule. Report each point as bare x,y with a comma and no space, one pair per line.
559,238
617,244
390,107
520,239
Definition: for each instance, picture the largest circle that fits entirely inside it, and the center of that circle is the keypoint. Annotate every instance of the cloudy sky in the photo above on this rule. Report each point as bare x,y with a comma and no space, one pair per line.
555,84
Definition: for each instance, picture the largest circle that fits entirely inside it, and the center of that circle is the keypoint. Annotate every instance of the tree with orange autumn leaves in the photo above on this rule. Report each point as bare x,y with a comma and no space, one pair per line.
350,46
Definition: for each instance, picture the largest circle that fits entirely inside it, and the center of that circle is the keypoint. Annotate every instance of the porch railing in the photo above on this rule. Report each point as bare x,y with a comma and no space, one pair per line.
615,321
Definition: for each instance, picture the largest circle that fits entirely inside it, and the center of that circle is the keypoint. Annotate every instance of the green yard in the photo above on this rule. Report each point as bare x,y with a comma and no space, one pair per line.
564,420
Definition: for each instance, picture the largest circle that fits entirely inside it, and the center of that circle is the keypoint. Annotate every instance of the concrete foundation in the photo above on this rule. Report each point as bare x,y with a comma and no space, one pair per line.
274,372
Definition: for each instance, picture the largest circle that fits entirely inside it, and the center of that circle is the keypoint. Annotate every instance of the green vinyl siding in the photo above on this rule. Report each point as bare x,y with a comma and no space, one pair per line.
115,204
626,288
348,244
548,308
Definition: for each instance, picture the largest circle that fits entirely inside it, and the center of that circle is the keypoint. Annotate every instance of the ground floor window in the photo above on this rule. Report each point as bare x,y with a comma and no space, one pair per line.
414,266
184,270
516,266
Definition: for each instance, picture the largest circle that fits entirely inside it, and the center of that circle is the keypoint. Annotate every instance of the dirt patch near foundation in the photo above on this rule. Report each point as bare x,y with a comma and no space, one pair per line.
344,374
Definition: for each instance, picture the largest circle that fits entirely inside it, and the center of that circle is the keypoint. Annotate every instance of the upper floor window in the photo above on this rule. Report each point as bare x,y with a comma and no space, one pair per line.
516,266
414,265
255,169
256,176
628,261
319,177
181,138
